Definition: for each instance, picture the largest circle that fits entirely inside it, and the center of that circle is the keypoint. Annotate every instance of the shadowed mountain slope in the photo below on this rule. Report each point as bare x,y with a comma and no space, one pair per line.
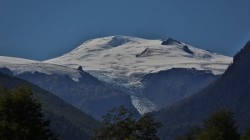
231,91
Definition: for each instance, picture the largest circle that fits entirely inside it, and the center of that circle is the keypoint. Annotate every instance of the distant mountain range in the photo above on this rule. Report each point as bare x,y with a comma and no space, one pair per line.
231,91
120,70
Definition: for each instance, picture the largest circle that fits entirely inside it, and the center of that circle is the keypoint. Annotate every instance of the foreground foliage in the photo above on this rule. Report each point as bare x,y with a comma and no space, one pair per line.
221,125
122,124
21,117
246,135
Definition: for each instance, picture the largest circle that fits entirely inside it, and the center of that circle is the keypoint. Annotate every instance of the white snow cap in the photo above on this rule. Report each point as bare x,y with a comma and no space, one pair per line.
128,55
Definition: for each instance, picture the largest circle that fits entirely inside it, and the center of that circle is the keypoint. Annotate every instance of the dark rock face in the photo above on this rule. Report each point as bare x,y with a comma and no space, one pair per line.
206,56
80,68
143,52
187,50
170,41
117,41
168,87
6,71
231,91
243,56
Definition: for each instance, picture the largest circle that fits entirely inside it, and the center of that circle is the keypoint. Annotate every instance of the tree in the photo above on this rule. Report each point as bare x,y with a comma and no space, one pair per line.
246,135
21,117
192,134
122,124
146,128
221,125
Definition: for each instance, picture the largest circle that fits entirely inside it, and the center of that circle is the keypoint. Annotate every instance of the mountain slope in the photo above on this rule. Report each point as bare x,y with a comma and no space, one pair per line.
123,61
171,86
66,121
231,91
73,85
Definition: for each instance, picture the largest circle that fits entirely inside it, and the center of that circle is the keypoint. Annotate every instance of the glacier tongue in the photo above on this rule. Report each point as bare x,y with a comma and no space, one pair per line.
129,85
142,104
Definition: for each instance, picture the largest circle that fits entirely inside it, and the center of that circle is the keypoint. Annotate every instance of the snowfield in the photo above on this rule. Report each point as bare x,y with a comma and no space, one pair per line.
123,57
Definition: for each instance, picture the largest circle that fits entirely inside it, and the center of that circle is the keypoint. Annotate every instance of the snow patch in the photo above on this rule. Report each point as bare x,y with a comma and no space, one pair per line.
142,104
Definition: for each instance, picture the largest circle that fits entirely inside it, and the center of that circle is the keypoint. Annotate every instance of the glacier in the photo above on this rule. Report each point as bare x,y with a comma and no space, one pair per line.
123,60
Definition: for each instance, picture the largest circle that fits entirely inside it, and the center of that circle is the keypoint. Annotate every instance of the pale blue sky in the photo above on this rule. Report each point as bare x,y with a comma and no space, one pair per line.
43,29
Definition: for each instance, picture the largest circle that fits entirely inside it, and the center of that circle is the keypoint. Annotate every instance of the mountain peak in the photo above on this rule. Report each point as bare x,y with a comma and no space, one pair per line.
241,61
170,41
243,54
119,40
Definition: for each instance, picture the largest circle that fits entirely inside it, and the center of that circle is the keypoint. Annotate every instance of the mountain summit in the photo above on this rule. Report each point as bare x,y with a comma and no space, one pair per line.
122,56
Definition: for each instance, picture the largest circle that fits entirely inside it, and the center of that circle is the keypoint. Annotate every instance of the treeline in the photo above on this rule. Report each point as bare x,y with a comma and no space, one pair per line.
24,117
122,124
221,125
21,118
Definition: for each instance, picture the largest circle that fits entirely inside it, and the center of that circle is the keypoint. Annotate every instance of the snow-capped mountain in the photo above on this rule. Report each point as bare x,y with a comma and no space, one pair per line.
150,74
123,61
122,55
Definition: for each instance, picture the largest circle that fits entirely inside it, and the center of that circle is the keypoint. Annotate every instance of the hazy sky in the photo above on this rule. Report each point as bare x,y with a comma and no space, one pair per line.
43,29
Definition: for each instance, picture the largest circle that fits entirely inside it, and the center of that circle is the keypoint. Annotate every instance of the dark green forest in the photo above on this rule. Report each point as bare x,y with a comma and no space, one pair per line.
66,121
